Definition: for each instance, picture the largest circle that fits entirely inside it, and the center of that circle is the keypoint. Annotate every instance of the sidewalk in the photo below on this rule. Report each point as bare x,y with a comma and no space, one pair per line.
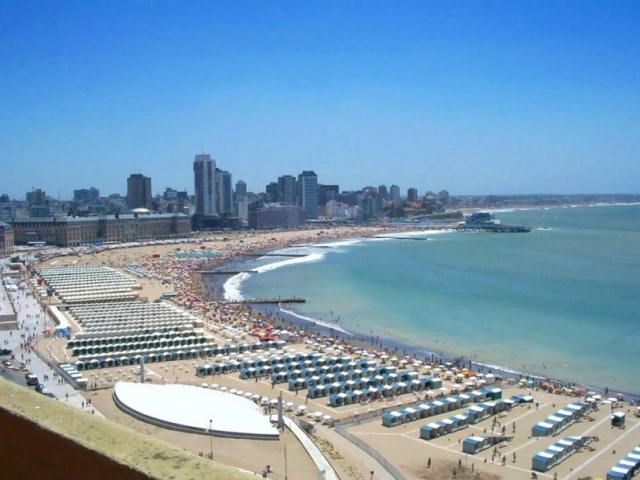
33,320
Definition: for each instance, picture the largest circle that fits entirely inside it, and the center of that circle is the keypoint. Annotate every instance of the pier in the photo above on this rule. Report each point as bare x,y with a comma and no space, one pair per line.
403,238
275,254
223,272
266,301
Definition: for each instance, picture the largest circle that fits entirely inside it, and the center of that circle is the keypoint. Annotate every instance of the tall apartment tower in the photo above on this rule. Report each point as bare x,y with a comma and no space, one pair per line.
308,193
412,195
204,171
225,193
241,189
287,189
383,192
394,193
138,191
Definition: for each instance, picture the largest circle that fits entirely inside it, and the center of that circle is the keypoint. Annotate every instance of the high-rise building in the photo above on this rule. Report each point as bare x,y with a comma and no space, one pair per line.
271,192
394,193
225,193
241,189
138,191
383,193
204,169
327,192
37,197
412,195
308,193
86,195
287,189
242,208
444,198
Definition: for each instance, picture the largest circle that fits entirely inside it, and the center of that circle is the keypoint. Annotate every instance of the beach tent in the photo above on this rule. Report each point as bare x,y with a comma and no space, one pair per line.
438,407
473,445
543,461
412,414
430,431
620,472
392,419
451,403
494,393
436,383
426,410
477,413
477,396
543,429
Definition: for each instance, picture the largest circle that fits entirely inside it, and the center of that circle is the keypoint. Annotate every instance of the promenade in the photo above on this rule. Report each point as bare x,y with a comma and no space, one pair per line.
33,321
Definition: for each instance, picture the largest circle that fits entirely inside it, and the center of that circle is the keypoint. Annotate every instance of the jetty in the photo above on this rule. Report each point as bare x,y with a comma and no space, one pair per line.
402,238
223,272
272,254
266,300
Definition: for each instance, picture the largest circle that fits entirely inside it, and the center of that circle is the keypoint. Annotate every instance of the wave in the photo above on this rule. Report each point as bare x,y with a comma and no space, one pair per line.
314,321
340,243
313,257
232,286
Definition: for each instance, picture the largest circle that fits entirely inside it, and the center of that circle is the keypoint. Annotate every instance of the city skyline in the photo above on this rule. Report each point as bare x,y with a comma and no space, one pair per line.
495,98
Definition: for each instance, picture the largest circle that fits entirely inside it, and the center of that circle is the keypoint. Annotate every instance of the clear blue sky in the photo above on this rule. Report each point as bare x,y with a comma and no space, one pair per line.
471,96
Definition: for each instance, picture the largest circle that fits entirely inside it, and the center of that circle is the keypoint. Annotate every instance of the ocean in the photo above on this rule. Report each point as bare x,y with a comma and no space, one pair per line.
562,301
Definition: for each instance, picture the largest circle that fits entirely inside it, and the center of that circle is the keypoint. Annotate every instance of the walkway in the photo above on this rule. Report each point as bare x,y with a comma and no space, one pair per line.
328,473
32,319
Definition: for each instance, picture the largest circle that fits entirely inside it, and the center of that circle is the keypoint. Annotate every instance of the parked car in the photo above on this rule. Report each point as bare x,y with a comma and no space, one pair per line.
47,393
31,379
5,351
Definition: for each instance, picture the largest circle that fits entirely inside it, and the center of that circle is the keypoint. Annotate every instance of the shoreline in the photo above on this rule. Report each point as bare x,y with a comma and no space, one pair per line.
392,345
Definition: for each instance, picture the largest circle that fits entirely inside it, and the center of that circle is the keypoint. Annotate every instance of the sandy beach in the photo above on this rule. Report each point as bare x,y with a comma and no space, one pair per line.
409,453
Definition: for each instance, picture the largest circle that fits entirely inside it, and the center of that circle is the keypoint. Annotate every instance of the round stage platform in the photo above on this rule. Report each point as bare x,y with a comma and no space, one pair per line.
195,410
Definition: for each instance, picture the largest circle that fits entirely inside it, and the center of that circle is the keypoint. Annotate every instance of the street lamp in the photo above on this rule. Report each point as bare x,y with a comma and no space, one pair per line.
211,439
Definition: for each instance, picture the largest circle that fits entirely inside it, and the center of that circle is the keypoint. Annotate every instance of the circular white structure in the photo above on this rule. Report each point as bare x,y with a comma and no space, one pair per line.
194,409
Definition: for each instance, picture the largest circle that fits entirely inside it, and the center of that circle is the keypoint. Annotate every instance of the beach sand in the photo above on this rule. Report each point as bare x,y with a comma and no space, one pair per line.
400,445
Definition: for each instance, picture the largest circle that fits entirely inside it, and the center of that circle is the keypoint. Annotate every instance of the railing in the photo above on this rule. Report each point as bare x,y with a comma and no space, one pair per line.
372,452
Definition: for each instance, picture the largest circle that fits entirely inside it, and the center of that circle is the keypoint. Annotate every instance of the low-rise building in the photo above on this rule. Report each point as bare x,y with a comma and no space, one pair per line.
272,216
75,231
6,239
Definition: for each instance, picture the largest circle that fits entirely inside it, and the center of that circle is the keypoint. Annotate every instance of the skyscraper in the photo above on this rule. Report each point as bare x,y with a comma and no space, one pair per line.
383,193
138,191
225,193
204,169
241,189
308,193
412,195
287,189
394,193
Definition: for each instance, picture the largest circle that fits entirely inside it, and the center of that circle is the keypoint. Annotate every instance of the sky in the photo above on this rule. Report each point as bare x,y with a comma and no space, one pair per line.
491,97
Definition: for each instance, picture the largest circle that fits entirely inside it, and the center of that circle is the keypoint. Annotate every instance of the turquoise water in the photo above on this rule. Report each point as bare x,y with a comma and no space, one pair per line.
561,301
